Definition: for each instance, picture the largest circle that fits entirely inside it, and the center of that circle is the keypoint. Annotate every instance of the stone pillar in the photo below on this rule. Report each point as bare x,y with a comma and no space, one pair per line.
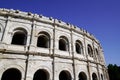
98,71
3,39
53,50
88,63
72,52
33,40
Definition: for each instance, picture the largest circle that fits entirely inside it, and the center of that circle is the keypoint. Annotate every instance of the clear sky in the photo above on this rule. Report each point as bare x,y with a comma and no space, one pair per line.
99,17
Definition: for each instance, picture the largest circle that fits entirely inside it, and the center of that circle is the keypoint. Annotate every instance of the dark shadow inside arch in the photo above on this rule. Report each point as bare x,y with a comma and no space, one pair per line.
41,75
64,75
43,40
19,38
78,45
62,45
0,29
78,50
94,76
82,76
102,77
90,51
11,74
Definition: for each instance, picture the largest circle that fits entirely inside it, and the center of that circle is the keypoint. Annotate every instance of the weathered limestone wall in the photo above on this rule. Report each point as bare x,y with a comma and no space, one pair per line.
29,58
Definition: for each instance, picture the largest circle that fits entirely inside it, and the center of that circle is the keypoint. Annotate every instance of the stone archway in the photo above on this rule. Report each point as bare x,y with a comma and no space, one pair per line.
64,75
63,43
82,76
41,75
43,40
19,37
11,74
94,76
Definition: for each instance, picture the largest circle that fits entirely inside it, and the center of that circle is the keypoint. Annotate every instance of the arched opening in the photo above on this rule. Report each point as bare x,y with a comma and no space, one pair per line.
0,30
94,76
79,47
11,74
90,51
63,43
82,76
96,51
41,75
102,77
64,75
19,37
43,40
98,55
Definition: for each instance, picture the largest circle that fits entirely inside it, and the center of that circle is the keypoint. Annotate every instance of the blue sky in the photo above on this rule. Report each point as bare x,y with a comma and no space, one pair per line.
99,17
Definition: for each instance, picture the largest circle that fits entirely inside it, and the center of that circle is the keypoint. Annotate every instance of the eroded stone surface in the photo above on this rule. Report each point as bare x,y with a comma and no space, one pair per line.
32,45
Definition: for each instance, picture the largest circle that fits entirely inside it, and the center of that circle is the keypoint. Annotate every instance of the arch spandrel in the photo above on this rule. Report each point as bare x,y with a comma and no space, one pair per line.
12,27
37,32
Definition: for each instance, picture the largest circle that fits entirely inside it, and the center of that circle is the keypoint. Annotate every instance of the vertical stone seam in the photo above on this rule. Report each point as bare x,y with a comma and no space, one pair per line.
72,51
6,23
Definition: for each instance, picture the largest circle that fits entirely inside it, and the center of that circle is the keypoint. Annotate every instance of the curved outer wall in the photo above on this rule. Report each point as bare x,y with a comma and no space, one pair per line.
29,58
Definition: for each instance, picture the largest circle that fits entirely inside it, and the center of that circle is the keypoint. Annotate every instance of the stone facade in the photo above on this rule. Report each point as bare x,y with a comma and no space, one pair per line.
35,47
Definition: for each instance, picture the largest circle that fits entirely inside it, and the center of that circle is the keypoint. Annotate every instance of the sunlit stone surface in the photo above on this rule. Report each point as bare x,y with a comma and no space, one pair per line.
35,47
